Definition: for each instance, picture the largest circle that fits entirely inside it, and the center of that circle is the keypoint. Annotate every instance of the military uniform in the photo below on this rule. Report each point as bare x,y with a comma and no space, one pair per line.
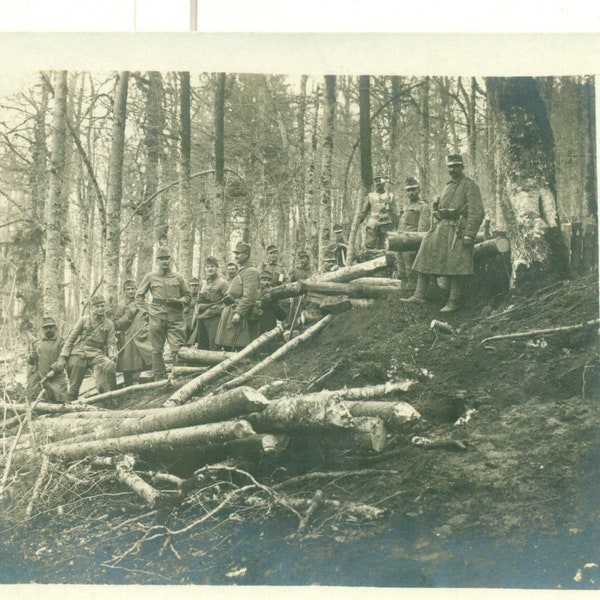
170,296
135,350
279,274
190,310
90,344
41,360
382,209
242,294
208,311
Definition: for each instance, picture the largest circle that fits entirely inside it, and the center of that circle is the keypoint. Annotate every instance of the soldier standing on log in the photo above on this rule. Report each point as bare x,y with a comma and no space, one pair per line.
341,246
135,350
45,374
382,209
447,249
415,217
91,343
170,295
236,330
209,306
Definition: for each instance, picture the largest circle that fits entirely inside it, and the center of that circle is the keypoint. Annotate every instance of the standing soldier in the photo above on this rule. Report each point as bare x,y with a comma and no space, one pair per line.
278,271
341,246
447,249
91,343
235,329
382,209
268,311
170,295
415,217
209,306
44,373
190,310
303,270
135,350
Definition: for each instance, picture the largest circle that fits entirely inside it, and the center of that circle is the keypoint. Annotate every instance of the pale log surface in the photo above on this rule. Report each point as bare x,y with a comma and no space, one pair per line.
203,357
393,414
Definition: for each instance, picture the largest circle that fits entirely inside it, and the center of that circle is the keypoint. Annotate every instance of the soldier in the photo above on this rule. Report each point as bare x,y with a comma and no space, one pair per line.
279,272
341,246
303,270
135,350
44,373
447,249
268,311
235,330
382,209
91,343
190,310
232,270
209,306
415,217
329,259
170,295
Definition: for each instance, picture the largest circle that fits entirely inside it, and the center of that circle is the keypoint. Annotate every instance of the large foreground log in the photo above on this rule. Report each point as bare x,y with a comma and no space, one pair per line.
406,242
293,343
334,288
369,392
193,387
119,423
382,281
200,435
202,357
393,414
182,371
132,390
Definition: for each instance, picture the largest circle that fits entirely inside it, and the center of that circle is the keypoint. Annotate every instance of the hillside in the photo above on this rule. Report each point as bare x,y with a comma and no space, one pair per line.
495,486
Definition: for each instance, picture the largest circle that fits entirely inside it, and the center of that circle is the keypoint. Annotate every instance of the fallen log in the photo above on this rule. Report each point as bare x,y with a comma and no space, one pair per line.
368,392
411,241
195,385
290,414
381,281
199,435
281,351
534,332
256,446
183,371
393,414
202,357
119,423
366,433
47,407
124,467
498,245
139,388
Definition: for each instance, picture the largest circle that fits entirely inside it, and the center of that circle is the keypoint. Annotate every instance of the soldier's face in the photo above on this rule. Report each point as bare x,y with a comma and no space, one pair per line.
273,256
265,284
49,332
413,194
193,288
210,270
241,258
231,270
303,261
455,171
130,291
163,262
98,310
380,187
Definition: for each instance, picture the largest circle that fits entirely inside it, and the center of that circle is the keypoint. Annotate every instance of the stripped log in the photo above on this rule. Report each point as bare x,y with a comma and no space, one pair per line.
156,441
132,390
369,392
118,423
202,357
290,414
536,332
182,371
293,343
124,467
381,281
46,407
256,446
498,245
394,414
406,242
366,433
198,383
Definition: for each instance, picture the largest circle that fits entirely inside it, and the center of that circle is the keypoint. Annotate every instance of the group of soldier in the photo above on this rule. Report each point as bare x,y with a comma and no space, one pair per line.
228,314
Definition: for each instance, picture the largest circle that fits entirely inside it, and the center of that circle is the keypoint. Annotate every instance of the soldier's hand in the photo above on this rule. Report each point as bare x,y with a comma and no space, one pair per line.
236,318
467,241
59,365
228,300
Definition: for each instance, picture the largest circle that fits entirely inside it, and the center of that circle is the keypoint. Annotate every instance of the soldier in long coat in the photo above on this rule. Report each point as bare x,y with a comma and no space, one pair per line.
43,372
415,217
382,209
447,249
170,296
236,329
209,306
135,350
91,343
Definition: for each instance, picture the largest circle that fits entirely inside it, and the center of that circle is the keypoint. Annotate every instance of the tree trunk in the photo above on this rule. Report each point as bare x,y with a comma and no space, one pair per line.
327,166
310,205
425,136
115,191
186,221
219,117
203,357
52,291
364,103
527,175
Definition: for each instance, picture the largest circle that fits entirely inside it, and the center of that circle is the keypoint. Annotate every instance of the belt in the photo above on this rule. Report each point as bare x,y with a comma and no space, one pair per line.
449,215
158,302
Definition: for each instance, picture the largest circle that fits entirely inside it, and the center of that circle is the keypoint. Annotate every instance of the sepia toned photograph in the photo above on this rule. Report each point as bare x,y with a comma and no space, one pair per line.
269,327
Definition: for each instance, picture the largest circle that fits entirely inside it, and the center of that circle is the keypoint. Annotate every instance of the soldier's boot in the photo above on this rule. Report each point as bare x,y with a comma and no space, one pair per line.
453,303
419,296
159,370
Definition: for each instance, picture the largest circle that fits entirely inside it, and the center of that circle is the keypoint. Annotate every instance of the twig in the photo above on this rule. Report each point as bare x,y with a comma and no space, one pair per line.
525,334
38,485
332,475
313,506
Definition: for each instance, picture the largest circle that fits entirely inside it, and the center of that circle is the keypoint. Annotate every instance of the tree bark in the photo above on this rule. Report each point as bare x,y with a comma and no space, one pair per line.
364,105
393,414
203,357
366,434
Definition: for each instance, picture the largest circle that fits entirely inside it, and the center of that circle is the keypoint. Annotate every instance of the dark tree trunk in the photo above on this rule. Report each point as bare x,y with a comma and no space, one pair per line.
366,166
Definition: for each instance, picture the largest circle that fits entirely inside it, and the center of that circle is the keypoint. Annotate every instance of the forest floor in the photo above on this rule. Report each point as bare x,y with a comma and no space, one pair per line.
496,486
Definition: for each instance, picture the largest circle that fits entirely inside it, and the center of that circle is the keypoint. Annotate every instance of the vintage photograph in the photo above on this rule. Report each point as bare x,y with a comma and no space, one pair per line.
286,329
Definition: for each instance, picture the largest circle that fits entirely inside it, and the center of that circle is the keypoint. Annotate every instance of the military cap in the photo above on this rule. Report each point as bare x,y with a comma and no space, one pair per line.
95,300
129,282
272,247
454,159
380,179
232,264
303,253
211,260
242,247
266,274
48,322
194,281
410,183
163,252
338,228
